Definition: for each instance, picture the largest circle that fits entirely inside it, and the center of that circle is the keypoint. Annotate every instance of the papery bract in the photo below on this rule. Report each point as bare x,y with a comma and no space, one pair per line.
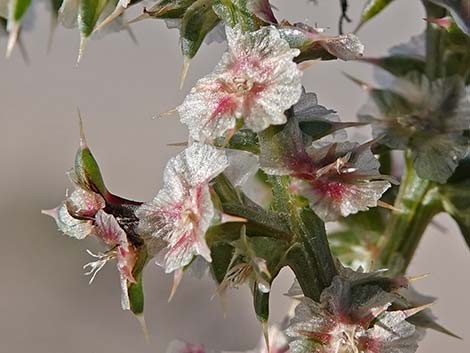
183,210
337,179
256,81
352,317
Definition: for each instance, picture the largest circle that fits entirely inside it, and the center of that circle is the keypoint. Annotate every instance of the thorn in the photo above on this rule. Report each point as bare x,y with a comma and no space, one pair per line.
176,282
14,31
418,277
307,64
23,51
227,218
358,27
168,113
139,18
184,72
178,144
132,35
83,143
373,61
266,336
81,50
414,311
383,204
365,86
143,326
118,11
51,213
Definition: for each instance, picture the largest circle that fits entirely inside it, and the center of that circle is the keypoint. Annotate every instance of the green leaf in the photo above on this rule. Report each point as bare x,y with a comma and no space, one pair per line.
234,12
136,290
89,13
169,9
372,9
320,128
222,254
244,139
198,20
87,171
261,304
17,9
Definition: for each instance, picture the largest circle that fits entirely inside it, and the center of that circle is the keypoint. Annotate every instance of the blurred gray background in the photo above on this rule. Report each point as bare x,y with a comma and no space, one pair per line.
46,305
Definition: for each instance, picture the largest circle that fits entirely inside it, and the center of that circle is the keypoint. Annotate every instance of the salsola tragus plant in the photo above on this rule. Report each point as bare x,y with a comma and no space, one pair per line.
250,120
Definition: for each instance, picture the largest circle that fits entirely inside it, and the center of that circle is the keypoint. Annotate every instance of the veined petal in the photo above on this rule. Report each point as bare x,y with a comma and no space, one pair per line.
182,211
256,80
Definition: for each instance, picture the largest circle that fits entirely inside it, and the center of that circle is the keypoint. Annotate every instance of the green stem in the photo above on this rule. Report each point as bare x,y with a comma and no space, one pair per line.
310,256
418,203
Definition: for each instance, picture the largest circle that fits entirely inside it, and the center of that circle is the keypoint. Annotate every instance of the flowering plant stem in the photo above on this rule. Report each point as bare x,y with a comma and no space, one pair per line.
309,256
417,203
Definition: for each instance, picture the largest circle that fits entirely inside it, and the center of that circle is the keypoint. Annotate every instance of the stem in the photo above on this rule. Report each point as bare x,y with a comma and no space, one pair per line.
310,256
418,203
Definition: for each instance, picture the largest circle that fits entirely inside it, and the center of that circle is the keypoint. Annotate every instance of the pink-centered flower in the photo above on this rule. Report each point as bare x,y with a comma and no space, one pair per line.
353,316
338,179
256,81
82,214
182,211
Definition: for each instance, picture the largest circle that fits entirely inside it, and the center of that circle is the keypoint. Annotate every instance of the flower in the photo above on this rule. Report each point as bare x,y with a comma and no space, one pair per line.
352,316
182,211
82,214
314,44
91,210
256,81
338,179
428,117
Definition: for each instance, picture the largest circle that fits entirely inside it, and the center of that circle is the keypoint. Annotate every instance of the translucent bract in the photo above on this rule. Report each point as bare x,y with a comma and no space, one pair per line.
256,81
352,317
337,179
183,210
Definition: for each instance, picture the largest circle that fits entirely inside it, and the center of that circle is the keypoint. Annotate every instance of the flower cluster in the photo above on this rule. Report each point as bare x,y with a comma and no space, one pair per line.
355,314
427,117
338,179
252,120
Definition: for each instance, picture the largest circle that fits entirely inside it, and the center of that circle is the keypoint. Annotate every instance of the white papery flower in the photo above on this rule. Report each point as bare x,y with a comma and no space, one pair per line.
183,210
256,81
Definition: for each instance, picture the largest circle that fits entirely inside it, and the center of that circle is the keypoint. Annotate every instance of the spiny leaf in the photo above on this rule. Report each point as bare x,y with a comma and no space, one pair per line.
372,9
198,20
89,13
16,11
234,12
